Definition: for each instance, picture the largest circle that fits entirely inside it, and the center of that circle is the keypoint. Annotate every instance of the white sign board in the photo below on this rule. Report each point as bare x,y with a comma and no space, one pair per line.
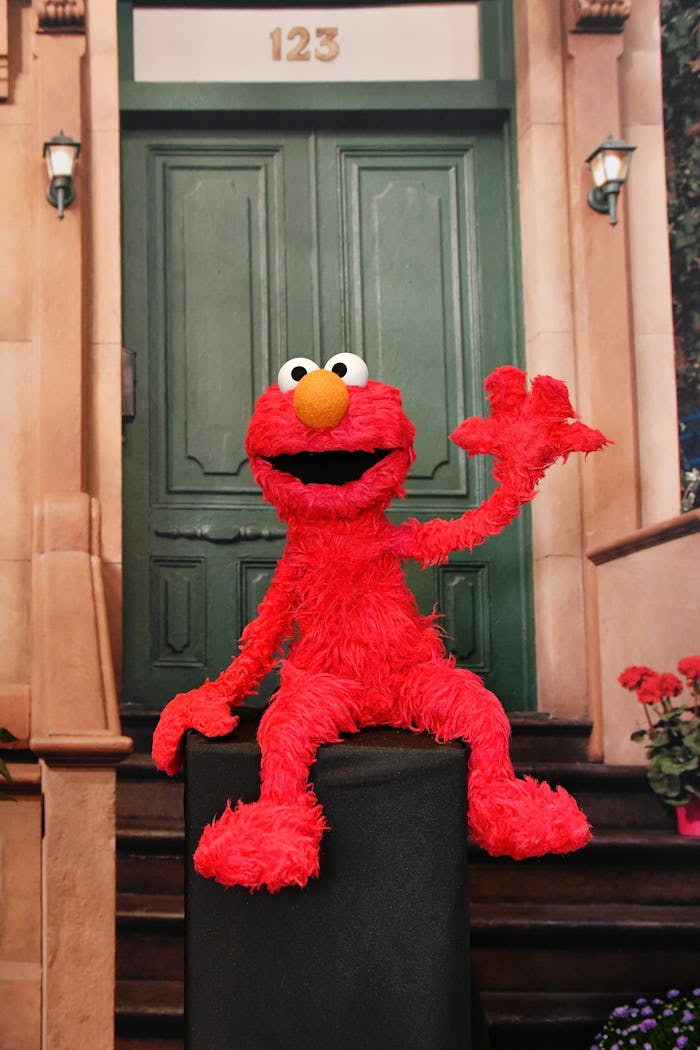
234,45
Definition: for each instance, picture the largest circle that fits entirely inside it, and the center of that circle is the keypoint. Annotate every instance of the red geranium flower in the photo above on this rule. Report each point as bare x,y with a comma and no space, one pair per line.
670,685
634,677
690,667
650,690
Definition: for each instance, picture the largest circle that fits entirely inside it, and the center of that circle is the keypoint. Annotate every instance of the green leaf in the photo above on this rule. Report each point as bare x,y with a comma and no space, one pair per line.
4,771
639,734
666,784
6,737
660,740
677,763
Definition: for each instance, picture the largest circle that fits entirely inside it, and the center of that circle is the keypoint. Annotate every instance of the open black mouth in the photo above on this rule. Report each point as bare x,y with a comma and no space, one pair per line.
328,468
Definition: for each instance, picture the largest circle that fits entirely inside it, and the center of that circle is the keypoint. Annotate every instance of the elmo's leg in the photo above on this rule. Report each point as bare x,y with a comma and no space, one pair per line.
274,842
507,816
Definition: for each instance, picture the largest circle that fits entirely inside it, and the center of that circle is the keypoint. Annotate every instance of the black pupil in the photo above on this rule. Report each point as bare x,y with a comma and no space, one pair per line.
298,372
340,368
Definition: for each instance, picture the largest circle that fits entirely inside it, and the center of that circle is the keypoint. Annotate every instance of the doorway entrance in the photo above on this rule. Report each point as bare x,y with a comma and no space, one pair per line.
247,245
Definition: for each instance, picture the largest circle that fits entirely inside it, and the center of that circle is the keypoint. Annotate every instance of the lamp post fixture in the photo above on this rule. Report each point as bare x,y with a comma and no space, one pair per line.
610,165
61,153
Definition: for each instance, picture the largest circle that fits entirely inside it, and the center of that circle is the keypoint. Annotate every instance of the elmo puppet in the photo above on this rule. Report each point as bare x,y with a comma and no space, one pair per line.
330,449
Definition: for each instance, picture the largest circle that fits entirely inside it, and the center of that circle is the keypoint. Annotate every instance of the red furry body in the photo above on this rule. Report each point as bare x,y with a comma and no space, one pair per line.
358,651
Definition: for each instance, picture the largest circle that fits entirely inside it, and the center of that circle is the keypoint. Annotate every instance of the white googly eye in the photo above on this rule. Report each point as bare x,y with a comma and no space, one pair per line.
293,371
351,369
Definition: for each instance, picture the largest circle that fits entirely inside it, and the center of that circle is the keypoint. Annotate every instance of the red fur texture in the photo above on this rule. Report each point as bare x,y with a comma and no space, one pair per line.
358,651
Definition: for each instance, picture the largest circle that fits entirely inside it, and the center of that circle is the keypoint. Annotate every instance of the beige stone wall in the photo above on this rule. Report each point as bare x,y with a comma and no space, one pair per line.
17,368
551,350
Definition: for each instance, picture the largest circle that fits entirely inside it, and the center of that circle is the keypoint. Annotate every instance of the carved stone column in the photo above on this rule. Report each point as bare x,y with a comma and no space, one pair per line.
602,305
75,729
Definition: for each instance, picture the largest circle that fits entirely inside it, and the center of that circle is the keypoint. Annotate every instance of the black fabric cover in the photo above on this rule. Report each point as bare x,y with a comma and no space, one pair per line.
372,955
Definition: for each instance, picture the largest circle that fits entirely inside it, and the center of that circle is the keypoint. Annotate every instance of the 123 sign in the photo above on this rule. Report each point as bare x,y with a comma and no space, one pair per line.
298,44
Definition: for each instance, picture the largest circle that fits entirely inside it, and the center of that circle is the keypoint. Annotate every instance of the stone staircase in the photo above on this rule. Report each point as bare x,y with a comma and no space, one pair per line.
556,942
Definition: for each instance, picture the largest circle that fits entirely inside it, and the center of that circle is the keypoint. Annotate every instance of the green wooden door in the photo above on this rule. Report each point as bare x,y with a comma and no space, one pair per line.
244,248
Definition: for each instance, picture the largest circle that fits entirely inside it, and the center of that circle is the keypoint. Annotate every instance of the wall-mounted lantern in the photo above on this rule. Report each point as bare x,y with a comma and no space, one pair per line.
61,153
610,165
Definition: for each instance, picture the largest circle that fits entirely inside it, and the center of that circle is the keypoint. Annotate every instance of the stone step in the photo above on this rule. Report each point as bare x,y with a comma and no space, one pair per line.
587,948
155,1041
611,796
541,992
557,941
552,925
145,791
643,866
518,945
534,737
143,834
148,1018
666,867
149,1015
547,1020
150,938
151,872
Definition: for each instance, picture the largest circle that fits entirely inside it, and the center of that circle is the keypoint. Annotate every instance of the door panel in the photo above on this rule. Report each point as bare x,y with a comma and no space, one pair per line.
245,248
404,215
218,291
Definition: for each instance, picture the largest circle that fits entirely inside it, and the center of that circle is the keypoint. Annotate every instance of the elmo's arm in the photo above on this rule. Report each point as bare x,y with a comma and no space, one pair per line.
207,709
525,433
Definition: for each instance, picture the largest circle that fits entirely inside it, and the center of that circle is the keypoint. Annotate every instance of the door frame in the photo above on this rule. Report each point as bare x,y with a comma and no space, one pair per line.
488,101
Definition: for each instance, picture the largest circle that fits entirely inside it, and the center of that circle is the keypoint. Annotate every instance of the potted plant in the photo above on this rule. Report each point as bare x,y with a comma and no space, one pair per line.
670,1023
672,737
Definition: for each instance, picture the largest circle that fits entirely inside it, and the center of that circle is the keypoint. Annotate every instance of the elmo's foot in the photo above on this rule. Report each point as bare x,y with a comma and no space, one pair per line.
525,818
262,844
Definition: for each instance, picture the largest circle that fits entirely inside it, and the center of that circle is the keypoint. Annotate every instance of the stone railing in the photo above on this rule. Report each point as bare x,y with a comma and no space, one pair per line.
647,614
76,735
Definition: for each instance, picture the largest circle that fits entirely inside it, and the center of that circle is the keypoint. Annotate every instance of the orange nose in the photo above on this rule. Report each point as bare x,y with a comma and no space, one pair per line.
321,399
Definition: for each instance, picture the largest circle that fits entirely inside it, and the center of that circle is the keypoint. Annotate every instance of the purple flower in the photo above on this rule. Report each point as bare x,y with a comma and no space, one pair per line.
682,1041
647,1011
673,994
621,1011
647,1025
688,1016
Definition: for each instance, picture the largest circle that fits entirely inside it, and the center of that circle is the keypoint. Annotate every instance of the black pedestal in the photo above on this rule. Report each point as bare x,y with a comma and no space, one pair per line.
372,955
